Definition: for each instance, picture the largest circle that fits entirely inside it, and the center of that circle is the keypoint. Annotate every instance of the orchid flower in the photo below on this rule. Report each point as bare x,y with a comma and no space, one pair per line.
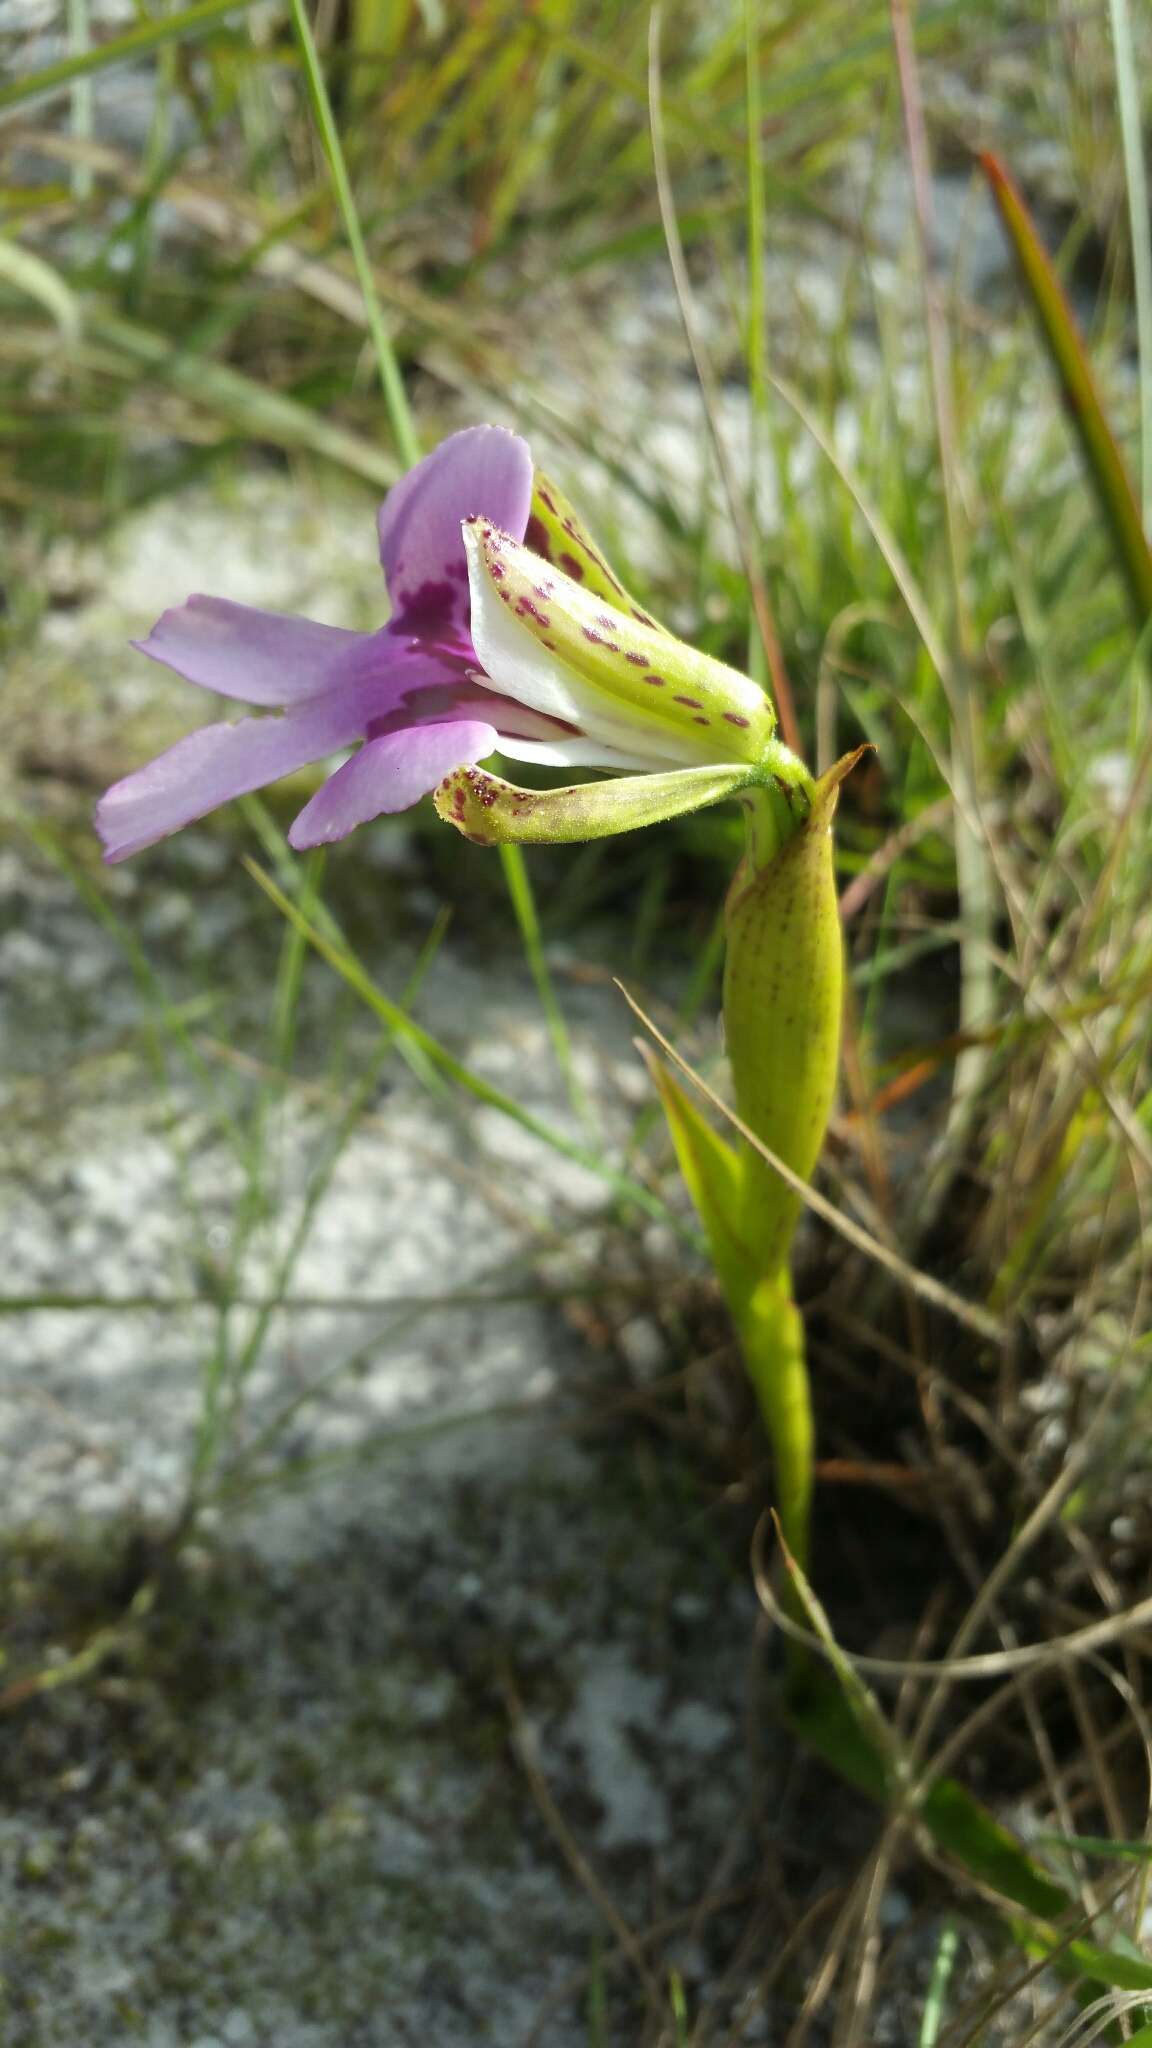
509,633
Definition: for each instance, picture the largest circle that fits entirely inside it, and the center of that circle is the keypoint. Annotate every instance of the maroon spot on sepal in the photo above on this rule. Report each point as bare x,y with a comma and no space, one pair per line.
637,660
658,680
571,567
734,718
693,703
483,788
537,538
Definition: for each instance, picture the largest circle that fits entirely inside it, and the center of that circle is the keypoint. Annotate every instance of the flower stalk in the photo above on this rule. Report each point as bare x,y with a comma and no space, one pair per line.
783,994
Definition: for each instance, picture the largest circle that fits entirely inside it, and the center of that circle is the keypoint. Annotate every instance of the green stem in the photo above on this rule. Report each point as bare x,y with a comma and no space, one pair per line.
782,999
771,1332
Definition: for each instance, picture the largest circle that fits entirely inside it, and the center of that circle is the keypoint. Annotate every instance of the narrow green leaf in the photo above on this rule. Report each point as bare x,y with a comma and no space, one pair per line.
30,274
961,1825
1128,81
1099,1845
392,383
713,1175
1106,467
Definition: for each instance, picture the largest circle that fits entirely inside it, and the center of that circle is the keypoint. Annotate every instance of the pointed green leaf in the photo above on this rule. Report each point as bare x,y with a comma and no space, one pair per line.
714,1175
767,1321
559,536
1106,466
492,812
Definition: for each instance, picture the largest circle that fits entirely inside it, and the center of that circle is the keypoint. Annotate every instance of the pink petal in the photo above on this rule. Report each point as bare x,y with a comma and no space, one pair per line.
483,471
390,774
259,657
220,762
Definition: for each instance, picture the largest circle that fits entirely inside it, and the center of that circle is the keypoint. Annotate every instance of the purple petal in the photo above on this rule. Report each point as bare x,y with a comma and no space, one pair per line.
483,471
390,774
259,657
223,761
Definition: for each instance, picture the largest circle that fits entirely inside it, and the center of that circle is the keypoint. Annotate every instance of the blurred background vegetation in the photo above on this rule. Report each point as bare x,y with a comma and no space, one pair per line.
189,398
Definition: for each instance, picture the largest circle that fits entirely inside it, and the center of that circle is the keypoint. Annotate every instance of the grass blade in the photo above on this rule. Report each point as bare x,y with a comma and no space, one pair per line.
446,1063
138,42
395,398
258,412
1128,100
1106,466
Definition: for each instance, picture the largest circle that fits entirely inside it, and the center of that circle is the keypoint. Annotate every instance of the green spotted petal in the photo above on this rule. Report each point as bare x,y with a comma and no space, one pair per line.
557,535
547,641
495,813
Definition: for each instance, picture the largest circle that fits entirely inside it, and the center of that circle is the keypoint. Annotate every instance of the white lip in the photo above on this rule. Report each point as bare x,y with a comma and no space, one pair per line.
573,753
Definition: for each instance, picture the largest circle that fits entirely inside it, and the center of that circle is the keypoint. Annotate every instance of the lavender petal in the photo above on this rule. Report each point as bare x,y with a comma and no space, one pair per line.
390,774
256,656
220,762
483,471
